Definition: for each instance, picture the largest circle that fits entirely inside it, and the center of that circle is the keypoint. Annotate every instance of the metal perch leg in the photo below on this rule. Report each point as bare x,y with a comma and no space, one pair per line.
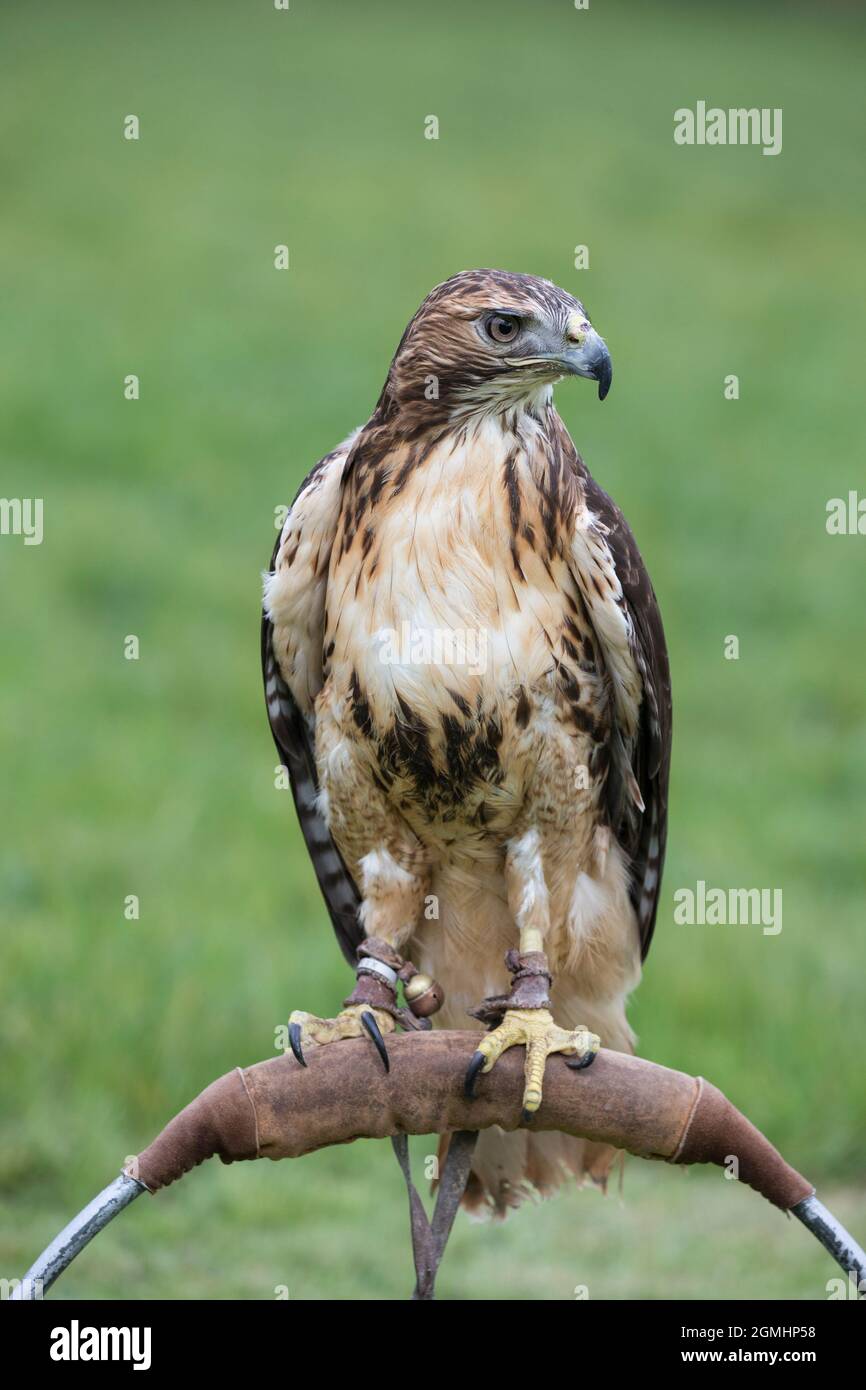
833,1236
80,1232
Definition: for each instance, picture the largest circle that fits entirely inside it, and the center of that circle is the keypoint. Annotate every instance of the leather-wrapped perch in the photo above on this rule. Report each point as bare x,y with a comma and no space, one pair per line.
278,1109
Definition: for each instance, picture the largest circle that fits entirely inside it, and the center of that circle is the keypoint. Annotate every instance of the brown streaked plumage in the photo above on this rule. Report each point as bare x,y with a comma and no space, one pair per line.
526,787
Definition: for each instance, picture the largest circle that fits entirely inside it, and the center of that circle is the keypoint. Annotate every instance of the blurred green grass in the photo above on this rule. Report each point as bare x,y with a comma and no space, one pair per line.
155,777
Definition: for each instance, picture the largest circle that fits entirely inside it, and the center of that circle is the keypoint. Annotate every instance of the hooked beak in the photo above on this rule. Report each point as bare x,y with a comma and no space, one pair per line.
589,357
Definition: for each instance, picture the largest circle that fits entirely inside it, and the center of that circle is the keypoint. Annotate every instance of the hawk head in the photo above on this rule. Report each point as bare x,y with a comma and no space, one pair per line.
490,338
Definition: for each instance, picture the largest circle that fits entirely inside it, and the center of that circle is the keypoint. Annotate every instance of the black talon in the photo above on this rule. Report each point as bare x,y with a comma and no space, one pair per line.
372,1027
581,1063
295,1043
475,1065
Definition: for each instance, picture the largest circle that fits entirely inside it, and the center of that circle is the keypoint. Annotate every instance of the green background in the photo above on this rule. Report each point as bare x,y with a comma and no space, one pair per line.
155,777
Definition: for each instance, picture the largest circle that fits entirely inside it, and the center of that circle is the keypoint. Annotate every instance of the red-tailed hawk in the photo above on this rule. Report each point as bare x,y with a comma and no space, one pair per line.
466,676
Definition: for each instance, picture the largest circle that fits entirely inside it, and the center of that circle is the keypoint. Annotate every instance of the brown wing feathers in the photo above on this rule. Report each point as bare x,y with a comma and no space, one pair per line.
294,745
643,837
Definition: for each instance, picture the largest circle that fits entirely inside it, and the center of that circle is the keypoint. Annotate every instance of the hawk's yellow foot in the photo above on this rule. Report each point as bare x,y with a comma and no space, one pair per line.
536,1031
352,1022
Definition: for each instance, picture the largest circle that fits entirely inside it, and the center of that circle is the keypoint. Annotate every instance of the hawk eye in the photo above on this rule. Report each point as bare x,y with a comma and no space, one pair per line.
502,328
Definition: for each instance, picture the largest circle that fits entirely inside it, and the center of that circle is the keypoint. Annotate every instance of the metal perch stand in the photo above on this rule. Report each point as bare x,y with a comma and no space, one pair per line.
277,1109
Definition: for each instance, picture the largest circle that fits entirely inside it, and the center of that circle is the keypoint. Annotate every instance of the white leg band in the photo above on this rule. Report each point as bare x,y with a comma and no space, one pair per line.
376,967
